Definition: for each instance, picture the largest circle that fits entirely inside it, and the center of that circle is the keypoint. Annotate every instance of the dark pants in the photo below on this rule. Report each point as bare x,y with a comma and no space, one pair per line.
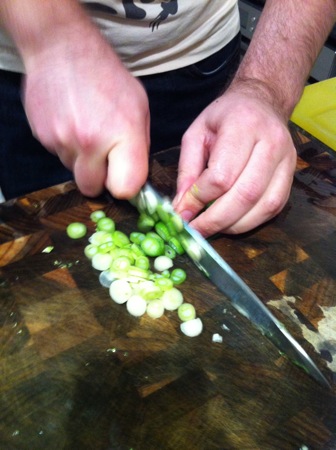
175,98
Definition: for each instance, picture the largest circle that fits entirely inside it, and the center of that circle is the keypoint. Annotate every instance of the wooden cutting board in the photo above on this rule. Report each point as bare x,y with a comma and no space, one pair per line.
78,372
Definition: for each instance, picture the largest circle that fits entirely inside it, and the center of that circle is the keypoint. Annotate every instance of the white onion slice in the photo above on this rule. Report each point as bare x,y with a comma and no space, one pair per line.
136,305
192,328
162,263
155,309
120,291
172,299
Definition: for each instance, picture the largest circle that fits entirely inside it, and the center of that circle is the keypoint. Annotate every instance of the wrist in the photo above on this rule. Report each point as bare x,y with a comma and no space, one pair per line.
265,91
38,27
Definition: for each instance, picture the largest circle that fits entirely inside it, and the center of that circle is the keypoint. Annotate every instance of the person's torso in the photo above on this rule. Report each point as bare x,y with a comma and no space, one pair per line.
154,36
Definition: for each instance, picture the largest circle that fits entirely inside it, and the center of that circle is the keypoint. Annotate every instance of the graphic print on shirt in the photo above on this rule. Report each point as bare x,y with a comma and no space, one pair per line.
132,11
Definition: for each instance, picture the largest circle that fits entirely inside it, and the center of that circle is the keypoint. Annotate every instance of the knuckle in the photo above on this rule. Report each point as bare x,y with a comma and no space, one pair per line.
273,204
249,193
220,181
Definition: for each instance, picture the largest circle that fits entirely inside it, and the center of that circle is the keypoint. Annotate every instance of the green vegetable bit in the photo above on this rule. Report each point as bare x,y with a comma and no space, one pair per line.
76,230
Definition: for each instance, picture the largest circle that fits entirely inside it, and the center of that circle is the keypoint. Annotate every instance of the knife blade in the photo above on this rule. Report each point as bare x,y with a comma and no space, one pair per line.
243,299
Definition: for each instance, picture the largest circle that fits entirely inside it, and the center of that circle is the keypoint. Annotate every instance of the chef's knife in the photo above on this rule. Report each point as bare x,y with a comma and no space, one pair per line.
229,283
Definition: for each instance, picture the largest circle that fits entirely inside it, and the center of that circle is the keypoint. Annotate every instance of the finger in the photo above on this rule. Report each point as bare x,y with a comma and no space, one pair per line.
269,205
226,162
192,162
244,194
127,168
90,173
276,194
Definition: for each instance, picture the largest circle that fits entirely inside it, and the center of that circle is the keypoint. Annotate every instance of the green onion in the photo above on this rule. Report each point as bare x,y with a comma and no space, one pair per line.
162,230
120,291
162,263
192,327
149,291
155,309
100,237
172,299
138,272
76,230
106,224
101,261
120,239
106,247
178,276
137,237
96,215
121,263
186,312
175,244
152,246
169,251
145,222
136,305
90,250
142,262
163,283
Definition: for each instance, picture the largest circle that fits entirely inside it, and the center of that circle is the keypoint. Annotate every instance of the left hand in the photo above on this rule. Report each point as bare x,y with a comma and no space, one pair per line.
239,155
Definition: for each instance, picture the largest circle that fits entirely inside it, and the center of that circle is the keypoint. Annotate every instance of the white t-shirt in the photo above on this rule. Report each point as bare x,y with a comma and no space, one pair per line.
153,36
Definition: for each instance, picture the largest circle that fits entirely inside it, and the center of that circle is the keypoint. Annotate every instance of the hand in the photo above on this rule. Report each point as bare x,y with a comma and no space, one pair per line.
239,155
85,107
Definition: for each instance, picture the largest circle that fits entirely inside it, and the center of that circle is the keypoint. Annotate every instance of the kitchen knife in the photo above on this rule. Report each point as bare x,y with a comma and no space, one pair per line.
229,283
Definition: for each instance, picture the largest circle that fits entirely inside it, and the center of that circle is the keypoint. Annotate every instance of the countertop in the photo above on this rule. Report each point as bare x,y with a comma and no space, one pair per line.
78,372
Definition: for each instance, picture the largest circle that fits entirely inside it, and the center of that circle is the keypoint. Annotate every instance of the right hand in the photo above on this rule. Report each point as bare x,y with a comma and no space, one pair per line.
85,107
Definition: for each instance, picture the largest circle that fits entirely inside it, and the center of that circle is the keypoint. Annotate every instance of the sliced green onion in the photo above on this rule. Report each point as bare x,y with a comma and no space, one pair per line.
76,230
192,328
177,222
145,223
155,309
106,278
176,245
101,261
149,291
120,239
137,251
162,212
96,215
169,251
162,230
137,237
48,249
151,201
172,299
100,237
193,249
163,283
106,247
162,263
121,263
138,273
120,291
178,276
152,246
106,224
142,262
186,312
136,305
90,250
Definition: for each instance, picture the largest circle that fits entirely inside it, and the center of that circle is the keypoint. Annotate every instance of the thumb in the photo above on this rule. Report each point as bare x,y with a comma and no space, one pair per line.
127,168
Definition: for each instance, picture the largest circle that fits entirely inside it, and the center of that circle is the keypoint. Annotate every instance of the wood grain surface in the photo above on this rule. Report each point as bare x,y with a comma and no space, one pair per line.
78,372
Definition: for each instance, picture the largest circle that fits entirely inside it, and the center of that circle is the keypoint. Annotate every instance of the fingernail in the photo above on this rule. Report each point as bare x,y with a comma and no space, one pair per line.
186,215
177,199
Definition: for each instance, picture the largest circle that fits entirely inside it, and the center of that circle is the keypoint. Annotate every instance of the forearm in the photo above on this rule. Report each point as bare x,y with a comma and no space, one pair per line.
39,27
288,39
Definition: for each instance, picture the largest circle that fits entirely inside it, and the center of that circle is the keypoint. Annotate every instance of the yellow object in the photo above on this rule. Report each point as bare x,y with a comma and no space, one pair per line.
316,111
